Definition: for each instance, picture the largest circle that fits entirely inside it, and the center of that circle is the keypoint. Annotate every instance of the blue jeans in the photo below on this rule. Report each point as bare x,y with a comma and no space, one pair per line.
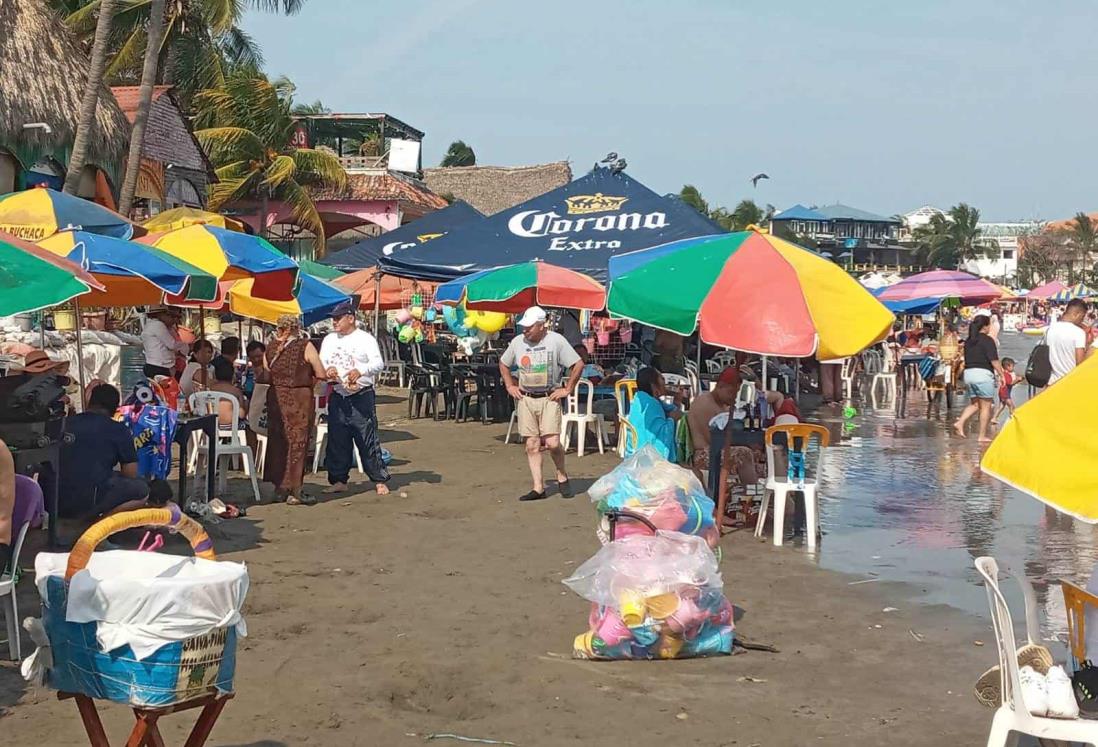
352,423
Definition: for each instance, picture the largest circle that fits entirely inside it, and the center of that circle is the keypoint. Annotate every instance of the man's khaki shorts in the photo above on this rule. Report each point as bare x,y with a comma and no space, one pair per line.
538,416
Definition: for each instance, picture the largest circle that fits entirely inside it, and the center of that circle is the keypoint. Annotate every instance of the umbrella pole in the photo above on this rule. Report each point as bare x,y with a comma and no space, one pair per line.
80,356
42,329
765,383
797,381
377,303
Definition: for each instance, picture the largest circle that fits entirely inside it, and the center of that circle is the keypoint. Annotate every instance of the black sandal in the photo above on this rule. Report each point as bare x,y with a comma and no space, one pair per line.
533,495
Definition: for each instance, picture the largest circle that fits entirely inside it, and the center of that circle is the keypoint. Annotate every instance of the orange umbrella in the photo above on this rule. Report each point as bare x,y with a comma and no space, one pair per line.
364,284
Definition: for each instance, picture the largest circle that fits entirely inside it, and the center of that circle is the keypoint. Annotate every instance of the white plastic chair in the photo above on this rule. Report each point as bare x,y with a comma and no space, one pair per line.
886,378
7,589
850,365
230,442
320,422
390,352
724,358
780,485
581,417
511,425
713,366
1013,715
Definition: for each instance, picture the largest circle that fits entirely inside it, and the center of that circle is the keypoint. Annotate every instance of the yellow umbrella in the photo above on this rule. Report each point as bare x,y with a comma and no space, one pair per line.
1047,448
181,217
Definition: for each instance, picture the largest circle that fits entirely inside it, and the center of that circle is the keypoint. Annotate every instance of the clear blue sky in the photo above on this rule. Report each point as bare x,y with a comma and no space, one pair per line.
885,105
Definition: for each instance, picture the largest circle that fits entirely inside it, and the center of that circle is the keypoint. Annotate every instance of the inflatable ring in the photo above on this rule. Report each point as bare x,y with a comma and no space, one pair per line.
172,517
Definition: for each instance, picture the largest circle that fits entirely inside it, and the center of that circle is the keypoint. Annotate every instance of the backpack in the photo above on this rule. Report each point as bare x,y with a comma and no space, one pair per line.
1039,367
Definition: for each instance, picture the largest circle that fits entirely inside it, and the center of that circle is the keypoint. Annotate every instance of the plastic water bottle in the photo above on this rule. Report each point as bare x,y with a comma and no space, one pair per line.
181,404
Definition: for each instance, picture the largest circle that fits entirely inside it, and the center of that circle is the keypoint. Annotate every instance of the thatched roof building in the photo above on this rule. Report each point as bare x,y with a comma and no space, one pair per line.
491,189
380,185
43,72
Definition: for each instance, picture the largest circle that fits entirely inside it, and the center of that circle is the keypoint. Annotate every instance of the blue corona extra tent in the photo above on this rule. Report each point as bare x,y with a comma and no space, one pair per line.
368,252
578,226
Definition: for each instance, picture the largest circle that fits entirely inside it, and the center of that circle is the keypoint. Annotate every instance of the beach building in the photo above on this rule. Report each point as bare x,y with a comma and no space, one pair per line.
174,169
855,236
43,81
384,189
492,189
1001,262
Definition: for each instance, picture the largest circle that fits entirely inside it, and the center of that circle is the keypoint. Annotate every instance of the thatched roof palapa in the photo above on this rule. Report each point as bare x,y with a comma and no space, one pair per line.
43,72
414,199
491,189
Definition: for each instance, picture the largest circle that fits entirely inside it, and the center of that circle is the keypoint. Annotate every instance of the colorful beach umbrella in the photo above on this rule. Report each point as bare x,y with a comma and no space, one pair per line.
31,278
181,217
1047,448
514,288
1071,293
970,289
1046,291
37,213
228,255
315,301
396,292
317,270
749,291
132,274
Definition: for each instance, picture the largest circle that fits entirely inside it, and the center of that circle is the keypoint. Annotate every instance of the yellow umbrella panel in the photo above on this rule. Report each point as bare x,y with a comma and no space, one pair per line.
1047,449
181,217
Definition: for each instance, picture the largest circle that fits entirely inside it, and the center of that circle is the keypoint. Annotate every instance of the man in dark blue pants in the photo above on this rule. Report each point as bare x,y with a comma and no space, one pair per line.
352,359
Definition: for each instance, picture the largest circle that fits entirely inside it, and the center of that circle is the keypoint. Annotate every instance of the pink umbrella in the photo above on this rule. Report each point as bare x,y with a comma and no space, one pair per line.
1046,291
943,284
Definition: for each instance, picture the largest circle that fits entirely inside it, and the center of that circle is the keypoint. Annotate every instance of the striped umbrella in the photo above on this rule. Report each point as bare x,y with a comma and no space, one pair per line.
748,291
314,302
1046,291
970,289
1071,293
132,274
228,255
514,288
37,213
32,278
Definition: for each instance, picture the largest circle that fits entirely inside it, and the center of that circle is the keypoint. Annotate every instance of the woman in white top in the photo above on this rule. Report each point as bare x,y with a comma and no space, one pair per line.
199,373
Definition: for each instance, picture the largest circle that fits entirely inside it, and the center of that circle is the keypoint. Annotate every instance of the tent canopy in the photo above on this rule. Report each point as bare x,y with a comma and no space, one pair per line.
366,253
578,226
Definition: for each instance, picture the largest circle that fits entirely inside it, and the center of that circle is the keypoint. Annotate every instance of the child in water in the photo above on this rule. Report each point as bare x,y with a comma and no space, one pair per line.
1006,400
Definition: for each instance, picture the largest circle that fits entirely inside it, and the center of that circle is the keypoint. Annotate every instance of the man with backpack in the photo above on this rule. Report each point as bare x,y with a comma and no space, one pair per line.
1067,340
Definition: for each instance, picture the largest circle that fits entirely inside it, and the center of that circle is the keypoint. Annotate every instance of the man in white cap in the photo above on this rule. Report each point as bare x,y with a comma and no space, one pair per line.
541,357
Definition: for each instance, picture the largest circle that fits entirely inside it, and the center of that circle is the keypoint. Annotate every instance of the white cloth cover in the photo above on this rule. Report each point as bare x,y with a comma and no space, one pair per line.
148,600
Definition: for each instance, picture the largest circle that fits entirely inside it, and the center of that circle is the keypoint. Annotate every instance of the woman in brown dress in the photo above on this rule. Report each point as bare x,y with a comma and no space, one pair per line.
293,366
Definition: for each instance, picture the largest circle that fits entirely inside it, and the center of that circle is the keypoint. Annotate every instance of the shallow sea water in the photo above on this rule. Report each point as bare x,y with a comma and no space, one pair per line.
904,500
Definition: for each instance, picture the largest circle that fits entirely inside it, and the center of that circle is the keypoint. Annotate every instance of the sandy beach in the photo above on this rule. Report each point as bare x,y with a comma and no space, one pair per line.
439,609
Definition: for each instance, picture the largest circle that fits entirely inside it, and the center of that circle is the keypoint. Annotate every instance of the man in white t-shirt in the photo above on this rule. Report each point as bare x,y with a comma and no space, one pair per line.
1067,340
351,357
541,357
161,342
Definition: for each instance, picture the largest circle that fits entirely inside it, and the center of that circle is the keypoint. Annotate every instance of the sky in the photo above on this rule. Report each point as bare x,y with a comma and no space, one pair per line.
881,105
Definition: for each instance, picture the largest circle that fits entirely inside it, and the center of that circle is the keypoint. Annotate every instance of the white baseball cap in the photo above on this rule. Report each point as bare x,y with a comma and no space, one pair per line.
532,316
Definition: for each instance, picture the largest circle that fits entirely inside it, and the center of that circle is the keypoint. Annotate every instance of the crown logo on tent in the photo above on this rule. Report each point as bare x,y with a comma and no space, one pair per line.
596,203
425,237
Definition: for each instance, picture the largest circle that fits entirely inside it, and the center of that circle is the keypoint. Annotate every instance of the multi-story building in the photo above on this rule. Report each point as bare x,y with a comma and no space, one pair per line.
845,232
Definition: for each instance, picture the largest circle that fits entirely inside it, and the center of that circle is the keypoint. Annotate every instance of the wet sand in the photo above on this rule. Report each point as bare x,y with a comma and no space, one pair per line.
381,620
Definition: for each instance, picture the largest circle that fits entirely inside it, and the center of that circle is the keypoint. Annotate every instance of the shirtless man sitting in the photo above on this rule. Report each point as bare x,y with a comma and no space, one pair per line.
704,408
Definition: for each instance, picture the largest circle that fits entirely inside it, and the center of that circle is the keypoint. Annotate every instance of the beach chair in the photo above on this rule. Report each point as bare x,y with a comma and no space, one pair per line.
230,440
579,413
1013,715
623,393
885,378
28,508
1076,601
797,437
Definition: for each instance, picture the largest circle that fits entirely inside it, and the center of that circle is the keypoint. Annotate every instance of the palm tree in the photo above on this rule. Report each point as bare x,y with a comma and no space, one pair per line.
90,102
1084,241
245,127
203,39
747,213
950,240
459,154
692,197
144,103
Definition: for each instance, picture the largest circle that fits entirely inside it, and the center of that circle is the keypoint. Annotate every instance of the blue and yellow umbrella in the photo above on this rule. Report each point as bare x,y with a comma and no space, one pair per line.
314,302
132,274
37,213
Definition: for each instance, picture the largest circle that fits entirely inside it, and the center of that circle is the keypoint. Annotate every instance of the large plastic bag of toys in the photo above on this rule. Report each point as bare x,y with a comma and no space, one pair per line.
653,597
667,495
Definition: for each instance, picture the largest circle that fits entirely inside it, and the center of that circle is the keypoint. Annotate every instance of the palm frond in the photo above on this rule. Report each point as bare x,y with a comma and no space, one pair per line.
82,21
130,56
239,48
230,144
319,167
236,181
285,7
279,171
